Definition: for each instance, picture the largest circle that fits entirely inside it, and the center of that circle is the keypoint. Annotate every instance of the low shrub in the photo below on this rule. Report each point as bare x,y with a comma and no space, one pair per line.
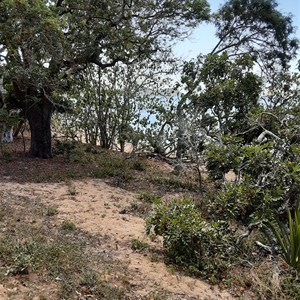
234,202
190,241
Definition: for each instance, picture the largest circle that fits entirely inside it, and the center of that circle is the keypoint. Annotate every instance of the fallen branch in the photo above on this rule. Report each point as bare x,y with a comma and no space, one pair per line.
248,232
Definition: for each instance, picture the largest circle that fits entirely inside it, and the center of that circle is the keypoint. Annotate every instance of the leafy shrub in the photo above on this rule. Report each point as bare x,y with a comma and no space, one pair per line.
220,159
113,167
270,179
234,201
189,240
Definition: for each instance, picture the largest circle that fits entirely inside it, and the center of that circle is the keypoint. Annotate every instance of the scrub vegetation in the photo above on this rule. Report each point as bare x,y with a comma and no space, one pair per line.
213,156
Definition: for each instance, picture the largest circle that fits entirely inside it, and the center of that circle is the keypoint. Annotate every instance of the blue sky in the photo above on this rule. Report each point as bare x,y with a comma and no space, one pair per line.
203,38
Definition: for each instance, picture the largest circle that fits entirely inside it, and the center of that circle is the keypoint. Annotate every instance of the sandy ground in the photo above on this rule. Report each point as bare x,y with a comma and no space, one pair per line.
95,207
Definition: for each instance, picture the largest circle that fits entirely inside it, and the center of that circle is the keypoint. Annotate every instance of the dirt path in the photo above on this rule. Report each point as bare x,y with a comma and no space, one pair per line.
95,208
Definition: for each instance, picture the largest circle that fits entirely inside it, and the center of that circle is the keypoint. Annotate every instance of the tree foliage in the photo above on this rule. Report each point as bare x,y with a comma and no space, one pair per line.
257,28
46,43
223,88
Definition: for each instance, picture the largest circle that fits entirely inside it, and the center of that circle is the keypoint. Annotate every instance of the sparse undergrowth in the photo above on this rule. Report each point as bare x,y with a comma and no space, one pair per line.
27,248
199,236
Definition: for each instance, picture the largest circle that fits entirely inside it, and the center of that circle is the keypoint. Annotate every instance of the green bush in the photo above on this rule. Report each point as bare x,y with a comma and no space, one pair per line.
269,181
189,240
220,159
234,202
113,167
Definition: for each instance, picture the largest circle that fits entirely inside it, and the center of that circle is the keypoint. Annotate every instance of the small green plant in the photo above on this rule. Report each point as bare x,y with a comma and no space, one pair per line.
71,174
139,245
154,257
158,295
72,190
68,225
89,279
288,238
51,211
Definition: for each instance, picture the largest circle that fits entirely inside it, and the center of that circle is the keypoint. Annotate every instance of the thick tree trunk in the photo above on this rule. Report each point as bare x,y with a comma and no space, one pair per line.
39,116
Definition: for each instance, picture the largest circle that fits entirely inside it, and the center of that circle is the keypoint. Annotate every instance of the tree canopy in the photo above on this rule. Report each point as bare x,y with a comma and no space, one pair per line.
44,44
258,28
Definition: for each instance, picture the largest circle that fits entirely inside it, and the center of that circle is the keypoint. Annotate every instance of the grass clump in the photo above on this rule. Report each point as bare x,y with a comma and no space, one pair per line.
91,282
51,211
138,165
72,190
68,225
32,254
136,244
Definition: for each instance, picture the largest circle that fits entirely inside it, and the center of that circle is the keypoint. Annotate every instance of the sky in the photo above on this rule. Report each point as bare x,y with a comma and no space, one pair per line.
203,39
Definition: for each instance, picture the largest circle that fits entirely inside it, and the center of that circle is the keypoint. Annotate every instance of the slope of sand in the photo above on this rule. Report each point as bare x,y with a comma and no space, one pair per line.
95,207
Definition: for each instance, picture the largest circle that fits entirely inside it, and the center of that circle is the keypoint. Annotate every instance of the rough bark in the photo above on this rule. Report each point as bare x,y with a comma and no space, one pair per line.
39,116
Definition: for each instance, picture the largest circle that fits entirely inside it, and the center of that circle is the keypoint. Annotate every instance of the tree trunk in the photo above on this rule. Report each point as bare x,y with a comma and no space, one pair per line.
122,146
39,116
181,143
